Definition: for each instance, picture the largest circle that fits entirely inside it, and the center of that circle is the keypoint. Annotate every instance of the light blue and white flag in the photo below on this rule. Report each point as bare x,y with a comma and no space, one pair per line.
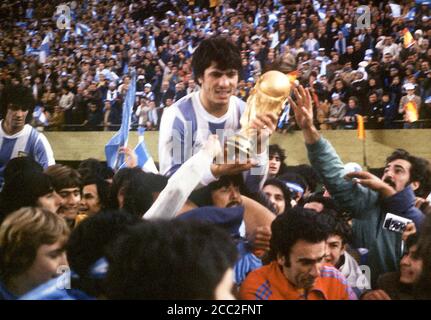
145,160
45,48
284,118
256,18
113,158
411,14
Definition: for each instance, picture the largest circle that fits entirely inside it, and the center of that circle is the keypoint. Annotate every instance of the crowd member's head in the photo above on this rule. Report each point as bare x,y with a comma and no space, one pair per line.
139,191
155,260
424,251
298,244
340,235
403,169
93,167
95,195
18,102
310,177
88,245
277,157
278,194
67,183
28,189
226,192
32,244
216,65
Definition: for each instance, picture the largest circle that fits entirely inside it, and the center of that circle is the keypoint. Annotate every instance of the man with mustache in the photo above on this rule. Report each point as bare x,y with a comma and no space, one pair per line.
366,197
297,268
18,139
214,109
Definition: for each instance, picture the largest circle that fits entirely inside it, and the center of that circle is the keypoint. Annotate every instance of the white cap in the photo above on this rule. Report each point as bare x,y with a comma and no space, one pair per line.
335,96
141,77
369,52
352,167
409,86
147,85
363,64
428,100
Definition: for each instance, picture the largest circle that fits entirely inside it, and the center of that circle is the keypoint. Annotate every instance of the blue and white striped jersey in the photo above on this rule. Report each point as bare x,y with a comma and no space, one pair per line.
186,125
27,142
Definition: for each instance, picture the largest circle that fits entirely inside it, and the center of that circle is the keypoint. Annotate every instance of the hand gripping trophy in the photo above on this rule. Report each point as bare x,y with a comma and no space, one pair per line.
269,95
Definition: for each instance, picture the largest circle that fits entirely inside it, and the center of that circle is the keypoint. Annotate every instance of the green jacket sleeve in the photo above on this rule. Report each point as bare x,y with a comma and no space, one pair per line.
354,198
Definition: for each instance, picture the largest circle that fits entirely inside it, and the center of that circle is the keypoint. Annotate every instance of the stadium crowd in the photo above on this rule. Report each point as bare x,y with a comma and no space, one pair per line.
80,84
200,226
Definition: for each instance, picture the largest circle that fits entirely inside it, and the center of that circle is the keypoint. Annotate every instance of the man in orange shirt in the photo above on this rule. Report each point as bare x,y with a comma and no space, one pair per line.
297,270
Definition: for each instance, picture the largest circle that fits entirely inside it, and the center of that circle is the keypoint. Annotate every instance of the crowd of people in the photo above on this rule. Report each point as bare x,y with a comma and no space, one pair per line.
207,227
79,83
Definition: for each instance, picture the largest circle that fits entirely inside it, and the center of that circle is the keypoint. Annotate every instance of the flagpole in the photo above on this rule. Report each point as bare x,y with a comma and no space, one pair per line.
364,154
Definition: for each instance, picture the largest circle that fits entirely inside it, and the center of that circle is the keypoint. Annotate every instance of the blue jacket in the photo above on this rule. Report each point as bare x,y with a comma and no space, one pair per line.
367,209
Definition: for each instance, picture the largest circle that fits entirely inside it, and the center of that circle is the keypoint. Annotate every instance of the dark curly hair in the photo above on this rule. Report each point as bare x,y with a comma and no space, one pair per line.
420,170
169,260
294,225
216,49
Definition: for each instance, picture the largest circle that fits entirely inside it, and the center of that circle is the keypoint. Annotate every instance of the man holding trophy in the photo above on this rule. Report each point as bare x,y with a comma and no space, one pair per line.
214,109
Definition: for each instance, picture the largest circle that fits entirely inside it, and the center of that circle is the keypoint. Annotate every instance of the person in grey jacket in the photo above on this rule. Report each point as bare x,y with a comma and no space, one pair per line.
364,195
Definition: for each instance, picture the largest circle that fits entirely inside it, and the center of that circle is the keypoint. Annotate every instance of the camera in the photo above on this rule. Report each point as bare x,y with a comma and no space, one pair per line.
395,223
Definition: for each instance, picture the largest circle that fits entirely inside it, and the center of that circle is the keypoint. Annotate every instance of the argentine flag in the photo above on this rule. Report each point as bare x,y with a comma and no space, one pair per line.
113,158
45,48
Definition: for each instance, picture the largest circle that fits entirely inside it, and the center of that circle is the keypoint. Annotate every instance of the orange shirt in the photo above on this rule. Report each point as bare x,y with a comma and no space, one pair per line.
269,283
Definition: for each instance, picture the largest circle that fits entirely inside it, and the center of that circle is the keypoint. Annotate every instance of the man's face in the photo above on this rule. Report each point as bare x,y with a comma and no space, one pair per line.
306,260
334,249
90,202
49,258
274,164
226,197
276,196
397,174
410,267
15,118
69,207
218,86
50,201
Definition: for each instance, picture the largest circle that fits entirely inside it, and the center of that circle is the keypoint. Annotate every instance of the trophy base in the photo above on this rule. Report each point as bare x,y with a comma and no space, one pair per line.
239,149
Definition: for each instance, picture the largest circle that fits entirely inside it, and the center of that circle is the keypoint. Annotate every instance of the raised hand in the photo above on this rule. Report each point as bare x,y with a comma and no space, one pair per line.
303,107
371,181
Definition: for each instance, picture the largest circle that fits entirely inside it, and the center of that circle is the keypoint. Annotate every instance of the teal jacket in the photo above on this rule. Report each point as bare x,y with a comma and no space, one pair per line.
367,209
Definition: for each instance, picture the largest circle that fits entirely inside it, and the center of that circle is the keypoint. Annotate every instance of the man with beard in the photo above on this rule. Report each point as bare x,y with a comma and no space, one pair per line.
364,195
297,270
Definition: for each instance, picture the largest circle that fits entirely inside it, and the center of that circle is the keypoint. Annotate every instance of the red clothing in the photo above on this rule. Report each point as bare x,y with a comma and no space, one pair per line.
269,283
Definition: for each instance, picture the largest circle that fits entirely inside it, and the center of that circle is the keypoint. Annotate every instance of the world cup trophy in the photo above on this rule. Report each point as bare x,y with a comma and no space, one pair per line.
269,95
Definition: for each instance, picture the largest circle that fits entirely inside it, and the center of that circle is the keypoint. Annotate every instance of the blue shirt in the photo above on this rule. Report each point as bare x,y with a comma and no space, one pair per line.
28,142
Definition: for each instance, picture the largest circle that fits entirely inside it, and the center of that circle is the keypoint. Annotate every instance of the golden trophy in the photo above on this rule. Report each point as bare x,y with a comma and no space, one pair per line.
269,95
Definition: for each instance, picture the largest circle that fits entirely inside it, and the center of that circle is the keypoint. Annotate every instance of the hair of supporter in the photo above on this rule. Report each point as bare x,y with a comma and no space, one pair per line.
338,225
120,179
23,189
103,189
94,167
138,192
89,242
328,203
21,235
155,261
218,49
20,164
17,97
420,170
307,172
294,225
64,177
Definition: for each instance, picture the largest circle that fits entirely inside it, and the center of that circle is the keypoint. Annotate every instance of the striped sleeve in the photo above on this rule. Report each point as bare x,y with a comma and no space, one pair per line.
43,153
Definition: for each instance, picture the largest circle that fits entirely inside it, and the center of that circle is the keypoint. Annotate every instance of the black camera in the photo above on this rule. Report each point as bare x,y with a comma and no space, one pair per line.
395,223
